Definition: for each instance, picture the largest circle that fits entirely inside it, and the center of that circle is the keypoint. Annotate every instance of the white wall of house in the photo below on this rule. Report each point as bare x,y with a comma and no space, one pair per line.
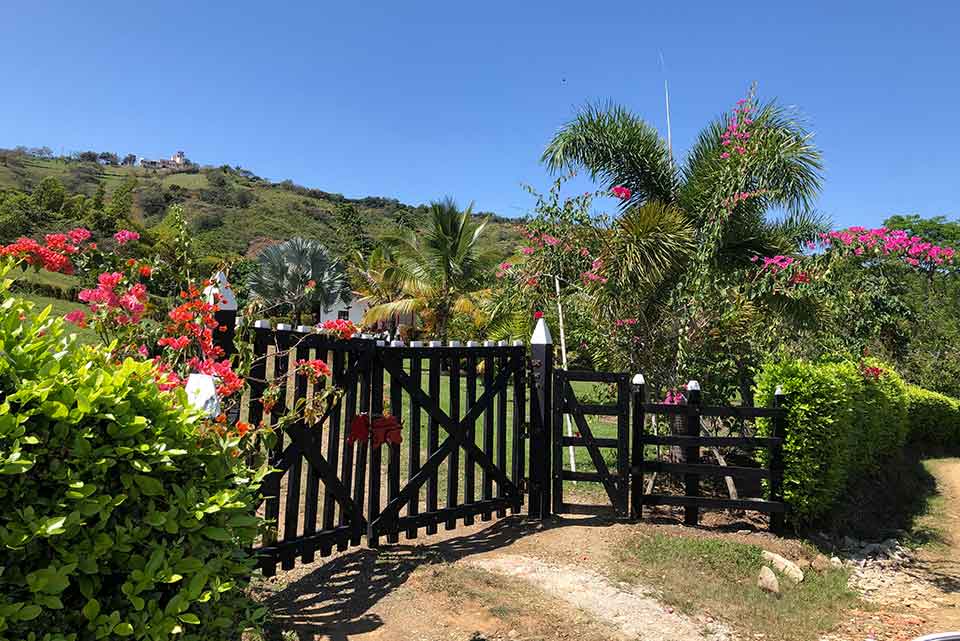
354,312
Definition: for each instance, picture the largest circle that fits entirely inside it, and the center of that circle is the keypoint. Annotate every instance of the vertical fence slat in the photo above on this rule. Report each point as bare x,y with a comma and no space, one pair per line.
541,357
777,519
291,513
350,359
433,434
501,460
453,461
393,465
469,467
556,429
519,421
258,377
486,480
636,447
623,445
691,454
367,366
413,445
334,439
376,453
312,495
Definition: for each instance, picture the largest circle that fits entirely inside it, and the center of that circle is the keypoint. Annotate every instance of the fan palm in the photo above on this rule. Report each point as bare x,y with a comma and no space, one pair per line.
300,275
440,269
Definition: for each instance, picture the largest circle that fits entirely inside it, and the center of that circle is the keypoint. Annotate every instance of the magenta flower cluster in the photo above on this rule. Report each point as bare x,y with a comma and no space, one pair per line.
774,263
736,135
889,242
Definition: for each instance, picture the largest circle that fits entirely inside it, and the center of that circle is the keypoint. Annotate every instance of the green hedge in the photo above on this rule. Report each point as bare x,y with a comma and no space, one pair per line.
842,423
934,418
121,516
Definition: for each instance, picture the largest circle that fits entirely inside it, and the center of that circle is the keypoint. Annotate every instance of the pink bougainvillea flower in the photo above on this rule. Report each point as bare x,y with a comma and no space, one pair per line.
621,192
125,236
725,155
537,315
527,251
77,317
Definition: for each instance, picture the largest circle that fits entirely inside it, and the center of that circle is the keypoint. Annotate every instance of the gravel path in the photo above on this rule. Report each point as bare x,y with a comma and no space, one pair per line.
636,615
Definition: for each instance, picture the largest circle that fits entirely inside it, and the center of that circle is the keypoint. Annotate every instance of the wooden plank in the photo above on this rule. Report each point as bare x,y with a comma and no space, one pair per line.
745,442
713,503
777,522
433,433
334,437
469,469
589,477
426,519
637,467
519,425
502,434
486,481
365,364
375,474
458,352
393,466
325,539
599,409
691,455
312,491
291,513
351,383
453,461
592,377
560,404
708,469
712,411
413,445
587,510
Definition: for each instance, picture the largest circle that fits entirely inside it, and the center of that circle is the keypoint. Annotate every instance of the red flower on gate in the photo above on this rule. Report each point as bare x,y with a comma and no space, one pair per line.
384,429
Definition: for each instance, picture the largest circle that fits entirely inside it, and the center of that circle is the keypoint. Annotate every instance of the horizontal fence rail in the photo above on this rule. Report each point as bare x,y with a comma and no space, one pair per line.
688,439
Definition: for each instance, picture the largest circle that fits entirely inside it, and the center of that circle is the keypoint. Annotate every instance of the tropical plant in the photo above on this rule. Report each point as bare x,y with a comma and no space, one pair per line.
374,279
440,269
742,166
300,275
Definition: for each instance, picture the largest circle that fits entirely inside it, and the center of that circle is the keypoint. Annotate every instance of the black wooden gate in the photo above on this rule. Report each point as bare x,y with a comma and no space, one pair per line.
615,481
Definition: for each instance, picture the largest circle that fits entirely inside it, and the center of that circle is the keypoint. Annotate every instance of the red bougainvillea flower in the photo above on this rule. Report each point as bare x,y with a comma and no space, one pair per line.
532,282
77,317
621,192
313,369
79,235
527,251
537,315
146,271
125,236
176,343
341,328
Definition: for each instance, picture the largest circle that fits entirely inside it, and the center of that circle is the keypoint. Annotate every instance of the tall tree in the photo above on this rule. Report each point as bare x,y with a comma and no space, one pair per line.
440,269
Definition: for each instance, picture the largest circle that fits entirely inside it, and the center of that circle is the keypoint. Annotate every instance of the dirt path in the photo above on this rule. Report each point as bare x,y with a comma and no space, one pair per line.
920,595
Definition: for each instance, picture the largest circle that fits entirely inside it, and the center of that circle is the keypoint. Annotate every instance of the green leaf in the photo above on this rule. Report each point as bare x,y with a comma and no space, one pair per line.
29,612
123,629
148,485
216,533
91,609
192,619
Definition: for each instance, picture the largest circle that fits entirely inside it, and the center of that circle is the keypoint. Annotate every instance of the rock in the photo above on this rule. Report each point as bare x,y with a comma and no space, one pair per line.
836,562
786,567
803,564
767,581
513,634
821,563
744,532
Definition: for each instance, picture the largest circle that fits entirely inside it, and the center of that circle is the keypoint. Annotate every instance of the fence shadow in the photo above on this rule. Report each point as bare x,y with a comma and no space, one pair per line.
336,597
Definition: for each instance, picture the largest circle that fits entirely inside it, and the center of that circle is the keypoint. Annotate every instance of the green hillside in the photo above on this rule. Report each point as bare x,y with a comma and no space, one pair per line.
232,211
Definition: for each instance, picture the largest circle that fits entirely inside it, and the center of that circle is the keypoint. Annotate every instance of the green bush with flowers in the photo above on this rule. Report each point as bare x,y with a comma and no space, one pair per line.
125,513
844,419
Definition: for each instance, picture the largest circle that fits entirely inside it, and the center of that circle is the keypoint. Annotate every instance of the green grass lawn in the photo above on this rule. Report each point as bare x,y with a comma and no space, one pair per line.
696,574
61,308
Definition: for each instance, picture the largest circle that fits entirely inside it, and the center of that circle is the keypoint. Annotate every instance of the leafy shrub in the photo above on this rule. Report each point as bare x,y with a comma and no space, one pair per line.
934,418
124,515
843,420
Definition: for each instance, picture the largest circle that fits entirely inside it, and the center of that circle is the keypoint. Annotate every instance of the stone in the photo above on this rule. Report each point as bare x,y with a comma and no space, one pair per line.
786,567
803,564
836,562
513,634
744,532
821,563
767,581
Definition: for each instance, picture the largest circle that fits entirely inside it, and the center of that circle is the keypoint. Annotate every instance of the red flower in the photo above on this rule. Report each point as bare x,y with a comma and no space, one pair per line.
537,315
621,192
77,317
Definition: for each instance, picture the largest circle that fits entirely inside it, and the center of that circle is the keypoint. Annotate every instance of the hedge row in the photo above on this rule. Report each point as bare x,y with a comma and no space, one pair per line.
934,418
844,420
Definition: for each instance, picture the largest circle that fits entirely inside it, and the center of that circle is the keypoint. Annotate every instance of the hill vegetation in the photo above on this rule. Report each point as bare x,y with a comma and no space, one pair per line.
231,212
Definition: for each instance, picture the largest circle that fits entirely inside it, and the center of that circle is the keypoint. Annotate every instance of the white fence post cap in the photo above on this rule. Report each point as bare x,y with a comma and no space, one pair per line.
541,334
693,386
638,379
416,343
284,327
202,394
219,285
262,324
304,329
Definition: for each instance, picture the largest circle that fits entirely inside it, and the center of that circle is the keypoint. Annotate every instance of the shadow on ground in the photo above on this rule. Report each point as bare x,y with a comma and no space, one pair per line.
336,597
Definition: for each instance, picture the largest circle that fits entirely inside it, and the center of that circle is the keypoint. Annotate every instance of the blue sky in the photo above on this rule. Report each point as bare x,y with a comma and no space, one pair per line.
417,100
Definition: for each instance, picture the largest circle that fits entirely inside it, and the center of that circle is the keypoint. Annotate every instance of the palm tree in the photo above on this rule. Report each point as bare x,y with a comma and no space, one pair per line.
668,278
300,275
440,269
374,279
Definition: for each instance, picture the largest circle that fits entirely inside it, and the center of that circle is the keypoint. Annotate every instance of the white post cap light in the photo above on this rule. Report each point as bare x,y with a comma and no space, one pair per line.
541,334
693,386
202,394
219,285
638,379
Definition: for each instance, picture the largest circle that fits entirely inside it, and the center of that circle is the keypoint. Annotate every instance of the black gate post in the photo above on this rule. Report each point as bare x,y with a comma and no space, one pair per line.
777,521
541,413
691,454
639,393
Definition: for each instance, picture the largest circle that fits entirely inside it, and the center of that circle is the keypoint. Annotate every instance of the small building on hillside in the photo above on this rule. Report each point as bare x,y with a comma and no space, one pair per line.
177,161
352,311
